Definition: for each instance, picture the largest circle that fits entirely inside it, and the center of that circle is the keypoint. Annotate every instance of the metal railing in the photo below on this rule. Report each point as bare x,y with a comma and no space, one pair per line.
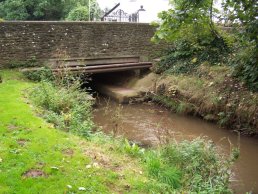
121,16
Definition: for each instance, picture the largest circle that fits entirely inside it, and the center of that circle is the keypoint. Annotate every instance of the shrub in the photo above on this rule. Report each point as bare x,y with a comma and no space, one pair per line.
67,107
186,55
32,62
44,73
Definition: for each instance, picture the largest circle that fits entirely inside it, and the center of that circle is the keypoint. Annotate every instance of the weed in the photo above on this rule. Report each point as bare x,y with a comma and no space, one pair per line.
224,118
68,107
32,62
115,118
165,174
43,73
174,105
132,148
203,168
107,106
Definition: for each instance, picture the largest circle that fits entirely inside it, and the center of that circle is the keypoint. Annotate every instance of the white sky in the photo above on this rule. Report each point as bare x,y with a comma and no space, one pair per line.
152,7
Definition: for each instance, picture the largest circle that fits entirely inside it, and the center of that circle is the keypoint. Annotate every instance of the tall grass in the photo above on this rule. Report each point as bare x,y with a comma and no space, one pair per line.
192,166
158,169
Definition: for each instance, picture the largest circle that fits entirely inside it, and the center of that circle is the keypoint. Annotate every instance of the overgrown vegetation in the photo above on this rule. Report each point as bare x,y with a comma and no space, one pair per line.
32,62
192,166
44,73
66,105
195,39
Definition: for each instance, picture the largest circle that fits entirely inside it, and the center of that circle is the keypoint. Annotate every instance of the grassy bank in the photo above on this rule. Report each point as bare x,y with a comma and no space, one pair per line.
213,94
65,156
37,158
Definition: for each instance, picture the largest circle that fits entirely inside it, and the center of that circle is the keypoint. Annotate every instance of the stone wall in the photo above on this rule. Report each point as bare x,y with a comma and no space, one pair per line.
21,41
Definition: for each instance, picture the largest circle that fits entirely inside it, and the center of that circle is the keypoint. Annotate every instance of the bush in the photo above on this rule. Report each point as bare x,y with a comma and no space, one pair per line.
44,73
186,55
80,13
67,107
32,62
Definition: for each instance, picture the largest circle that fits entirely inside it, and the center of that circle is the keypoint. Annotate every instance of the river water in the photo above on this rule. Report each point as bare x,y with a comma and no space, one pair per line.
148,124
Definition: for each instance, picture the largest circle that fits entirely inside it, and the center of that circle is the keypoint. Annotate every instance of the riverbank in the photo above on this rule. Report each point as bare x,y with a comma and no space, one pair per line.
47,159
36,157
210,93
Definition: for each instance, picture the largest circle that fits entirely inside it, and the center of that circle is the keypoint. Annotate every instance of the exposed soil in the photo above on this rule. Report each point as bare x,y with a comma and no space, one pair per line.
22,142
34,173
68,152
100,158
12,127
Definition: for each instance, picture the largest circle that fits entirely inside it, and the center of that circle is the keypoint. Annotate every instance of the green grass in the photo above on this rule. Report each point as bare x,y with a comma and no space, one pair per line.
43,148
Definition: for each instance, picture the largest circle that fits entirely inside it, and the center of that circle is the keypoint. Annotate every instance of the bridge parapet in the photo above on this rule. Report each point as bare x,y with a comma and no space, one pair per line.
22,41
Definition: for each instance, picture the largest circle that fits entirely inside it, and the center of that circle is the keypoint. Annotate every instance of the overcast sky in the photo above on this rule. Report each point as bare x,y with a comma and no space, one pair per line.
152,7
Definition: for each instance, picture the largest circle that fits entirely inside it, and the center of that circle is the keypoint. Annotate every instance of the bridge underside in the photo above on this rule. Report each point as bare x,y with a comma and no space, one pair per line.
95,65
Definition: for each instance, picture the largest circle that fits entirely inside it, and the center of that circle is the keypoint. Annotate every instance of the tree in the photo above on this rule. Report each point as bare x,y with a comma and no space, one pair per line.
245,14
188,18
79,13
41,9
189,26
13,10
31,9
95,10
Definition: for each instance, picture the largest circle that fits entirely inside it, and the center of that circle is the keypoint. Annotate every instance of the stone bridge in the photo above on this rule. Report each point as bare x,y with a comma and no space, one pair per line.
22,41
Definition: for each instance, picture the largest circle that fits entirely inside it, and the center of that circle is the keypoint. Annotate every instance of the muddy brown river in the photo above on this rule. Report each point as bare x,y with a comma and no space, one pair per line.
147,123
